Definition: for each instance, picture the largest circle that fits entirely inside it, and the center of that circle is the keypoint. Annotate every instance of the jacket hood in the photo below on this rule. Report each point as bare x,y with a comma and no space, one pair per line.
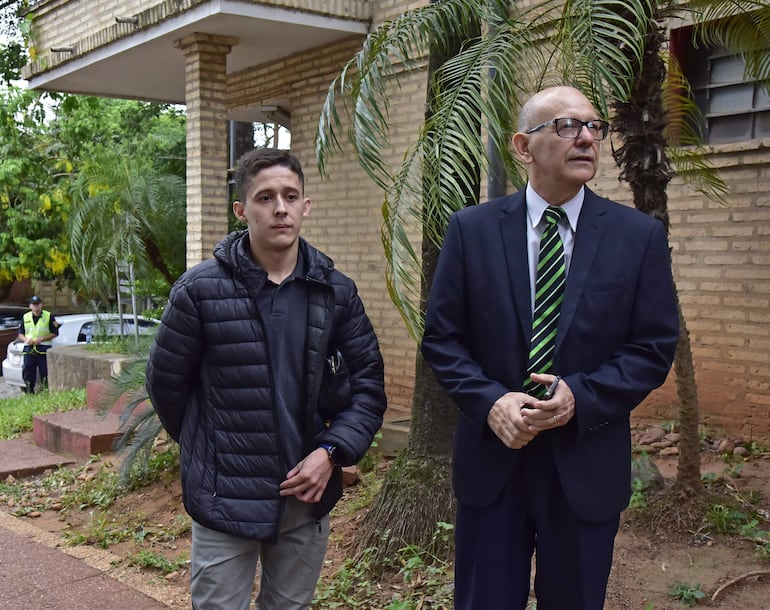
234,252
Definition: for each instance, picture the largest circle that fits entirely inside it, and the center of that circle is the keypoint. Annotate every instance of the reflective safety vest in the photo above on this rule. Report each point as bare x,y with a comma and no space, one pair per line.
42,328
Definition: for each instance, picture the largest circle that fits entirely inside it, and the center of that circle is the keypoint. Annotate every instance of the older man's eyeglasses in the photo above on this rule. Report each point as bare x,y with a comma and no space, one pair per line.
570,128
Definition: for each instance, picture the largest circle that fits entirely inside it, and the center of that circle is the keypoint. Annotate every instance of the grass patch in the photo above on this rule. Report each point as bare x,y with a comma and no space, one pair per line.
16,413
101,531
127,346
360,496
155,561
420,580
93,489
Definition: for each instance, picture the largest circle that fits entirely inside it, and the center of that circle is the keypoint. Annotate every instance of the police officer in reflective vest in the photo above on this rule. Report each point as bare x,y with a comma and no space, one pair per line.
38,327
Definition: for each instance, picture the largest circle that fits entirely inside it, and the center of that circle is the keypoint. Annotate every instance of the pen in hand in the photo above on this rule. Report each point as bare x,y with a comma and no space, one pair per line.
551,388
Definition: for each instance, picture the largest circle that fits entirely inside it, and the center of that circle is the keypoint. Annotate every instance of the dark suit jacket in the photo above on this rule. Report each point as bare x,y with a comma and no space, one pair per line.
616,340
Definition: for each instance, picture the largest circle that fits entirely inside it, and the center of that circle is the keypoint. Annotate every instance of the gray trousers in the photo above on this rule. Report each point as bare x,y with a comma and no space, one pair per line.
223,567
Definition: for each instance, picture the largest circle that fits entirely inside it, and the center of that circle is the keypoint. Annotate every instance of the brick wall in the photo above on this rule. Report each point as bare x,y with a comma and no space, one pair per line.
345,218
206,103
721,259
83,26
63,22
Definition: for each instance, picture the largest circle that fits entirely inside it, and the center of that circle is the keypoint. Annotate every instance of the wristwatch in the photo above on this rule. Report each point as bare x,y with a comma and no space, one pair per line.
330,449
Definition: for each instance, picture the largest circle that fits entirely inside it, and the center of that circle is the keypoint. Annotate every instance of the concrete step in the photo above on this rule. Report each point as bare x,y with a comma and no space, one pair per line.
21,457
395,435
79,433
99,396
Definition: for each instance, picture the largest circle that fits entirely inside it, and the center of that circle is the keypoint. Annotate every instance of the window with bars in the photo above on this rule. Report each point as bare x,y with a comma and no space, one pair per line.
734,108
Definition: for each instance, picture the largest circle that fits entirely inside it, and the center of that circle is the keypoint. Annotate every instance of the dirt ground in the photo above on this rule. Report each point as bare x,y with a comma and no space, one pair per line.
645,569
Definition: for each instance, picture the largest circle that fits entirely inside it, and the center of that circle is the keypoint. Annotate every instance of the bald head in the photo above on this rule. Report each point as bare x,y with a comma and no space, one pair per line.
545,104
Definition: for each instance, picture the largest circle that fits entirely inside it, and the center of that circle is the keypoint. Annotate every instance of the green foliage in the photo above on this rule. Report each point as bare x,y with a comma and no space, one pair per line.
597,45
33,202
97,491
156,561
126,210
154,312
158,466
427,580
734,465
130,346
687,594
372,456
739,514
420,565
723,519
95,487
16,413
757,447
638,498
140,425
367,489
181,525
670,425
102,531
761,538
131,155
12,59
763,549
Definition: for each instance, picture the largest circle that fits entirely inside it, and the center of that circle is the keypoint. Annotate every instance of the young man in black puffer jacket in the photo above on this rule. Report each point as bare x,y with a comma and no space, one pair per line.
235,375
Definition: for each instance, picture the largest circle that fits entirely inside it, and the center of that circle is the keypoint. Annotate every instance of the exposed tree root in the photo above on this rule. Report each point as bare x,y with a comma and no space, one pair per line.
416,494
671,511
738,579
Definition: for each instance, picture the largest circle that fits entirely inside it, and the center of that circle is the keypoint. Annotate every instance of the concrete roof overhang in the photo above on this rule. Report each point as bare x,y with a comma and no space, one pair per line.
145,65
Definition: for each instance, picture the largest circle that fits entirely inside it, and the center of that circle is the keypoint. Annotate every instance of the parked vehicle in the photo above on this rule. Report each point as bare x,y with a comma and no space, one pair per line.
10,318
74,329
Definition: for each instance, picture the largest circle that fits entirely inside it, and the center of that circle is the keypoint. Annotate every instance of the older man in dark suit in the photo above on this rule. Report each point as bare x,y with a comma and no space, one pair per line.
552,288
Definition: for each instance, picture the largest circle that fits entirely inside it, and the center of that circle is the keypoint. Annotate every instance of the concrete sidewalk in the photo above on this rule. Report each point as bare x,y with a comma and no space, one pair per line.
36,575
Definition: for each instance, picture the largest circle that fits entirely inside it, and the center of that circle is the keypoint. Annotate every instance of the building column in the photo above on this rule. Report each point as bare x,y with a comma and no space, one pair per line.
207,149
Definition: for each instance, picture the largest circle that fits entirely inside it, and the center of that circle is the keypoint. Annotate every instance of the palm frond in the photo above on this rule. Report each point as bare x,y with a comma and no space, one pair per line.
602,42
139,424
118,205
441,169
741,26
400,211
466,97
366,80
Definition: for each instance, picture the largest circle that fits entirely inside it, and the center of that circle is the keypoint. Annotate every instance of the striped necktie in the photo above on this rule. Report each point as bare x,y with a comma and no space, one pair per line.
549,293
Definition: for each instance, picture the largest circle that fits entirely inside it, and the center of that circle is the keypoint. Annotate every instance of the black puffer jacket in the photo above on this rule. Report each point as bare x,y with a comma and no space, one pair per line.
209,379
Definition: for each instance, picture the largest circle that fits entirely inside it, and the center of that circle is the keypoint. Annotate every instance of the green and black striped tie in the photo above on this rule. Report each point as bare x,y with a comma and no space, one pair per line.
549,293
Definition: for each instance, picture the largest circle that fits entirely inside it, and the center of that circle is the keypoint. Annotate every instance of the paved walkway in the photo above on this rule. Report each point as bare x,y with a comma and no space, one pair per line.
35,575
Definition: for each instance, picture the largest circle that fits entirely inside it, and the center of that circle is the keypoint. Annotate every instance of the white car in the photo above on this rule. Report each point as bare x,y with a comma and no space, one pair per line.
74,329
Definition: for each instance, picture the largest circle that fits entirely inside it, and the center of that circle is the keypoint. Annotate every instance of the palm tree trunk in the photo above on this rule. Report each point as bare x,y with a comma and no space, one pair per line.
417,491
688,477
644,164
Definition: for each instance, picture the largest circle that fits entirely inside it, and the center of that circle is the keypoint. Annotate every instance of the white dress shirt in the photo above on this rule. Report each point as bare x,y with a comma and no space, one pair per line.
536,205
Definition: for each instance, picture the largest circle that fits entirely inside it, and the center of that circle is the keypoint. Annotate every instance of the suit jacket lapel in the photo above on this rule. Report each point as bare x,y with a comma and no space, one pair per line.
584,251
513,233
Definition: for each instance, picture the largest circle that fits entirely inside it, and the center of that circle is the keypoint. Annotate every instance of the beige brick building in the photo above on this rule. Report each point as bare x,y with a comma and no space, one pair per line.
242,60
